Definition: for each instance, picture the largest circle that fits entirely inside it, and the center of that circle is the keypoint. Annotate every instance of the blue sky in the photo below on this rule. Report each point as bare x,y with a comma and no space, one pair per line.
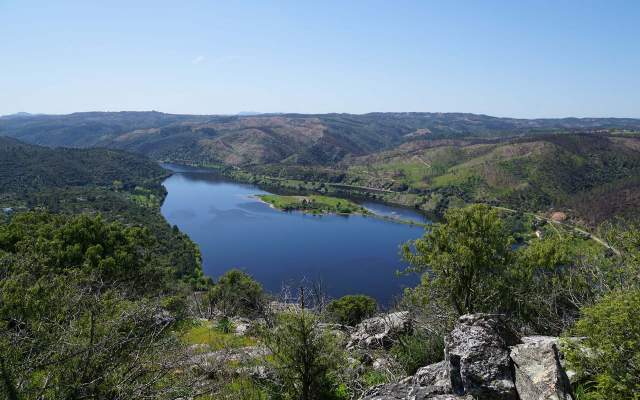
504,58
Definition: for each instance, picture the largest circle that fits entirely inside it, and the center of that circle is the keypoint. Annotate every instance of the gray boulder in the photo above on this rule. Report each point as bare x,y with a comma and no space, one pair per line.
477,357
380,332
485,360
539,374
434,376
407,391
241,325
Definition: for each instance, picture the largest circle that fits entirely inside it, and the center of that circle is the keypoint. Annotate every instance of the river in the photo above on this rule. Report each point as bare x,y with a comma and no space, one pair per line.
347,254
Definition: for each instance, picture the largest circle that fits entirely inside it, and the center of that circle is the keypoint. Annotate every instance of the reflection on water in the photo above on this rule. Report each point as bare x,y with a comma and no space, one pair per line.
352,254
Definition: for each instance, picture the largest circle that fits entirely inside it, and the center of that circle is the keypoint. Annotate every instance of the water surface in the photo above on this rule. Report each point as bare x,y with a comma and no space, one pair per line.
348,254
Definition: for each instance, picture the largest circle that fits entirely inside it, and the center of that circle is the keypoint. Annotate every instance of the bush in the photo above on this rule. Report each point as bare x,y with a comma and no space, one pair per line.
306,358
225,325
418,350
236,293
608,360
351,310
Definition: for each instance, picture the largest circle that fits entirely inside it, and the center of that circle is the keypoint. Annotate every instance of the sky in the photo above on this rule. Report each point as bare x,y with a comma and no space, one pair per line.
526,59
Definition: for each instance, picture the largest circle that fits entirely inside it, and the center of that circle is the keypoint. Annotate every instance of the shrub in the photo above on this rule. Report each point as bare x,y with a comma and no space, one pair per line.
608,360
305,357
225,325
236,293
352,309
418,350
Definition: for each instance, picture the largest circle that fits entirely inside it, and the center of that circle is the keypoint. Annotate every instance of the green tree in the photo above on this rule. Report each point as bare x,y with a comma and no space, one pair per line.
236,293
607,361
305,356
546,285
351,309
463,260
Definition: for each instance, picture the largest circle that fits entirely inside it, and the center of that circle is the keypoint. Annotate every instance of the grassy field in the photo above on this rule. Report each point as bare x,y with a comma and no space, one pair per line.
206,333
313,204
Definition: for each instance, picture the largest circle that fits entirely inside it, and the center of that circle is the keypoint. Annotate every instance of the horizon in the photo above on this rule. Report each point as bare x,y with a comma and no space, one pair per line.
257,114
527,60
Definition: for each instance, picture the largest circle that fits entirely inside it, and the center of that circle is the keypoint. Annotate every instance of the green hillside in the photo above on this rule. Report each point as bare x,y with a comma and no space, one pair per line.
120,186
587,167
591,177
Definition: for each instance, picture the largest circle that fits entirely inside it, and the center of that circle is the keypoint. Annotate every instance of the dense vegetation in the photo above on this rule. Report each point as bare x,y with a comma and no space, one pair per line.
119,186
83,310
611,366
352,309
92,279
30,168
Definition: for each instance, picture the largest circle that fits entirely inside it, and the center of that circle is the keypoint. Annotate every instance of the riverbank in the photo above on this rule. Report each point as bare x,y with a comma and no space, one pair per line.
314,204
296,187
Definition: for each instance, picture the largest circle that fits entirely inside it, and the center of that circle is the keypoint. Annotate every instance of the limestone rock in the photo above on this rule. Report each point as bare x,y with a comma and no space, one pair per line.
477,357
539,374
380,332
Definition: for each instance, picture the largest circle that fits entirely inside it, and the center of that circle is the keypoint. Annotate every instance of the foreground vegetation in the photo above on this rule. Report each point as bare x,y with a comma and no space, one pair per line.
84,294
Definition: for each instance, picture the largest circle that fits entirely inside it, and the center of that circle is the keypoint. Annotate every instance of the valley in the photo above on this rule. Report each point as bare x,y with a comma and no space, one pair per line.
428,161
216,269
357,253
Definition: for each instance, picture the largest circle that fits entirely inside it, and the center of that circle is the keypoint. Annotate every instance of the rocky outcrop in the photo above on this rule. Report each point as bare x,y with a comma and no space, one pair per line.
477,357
539,373
241,325
434,376
380,332
407,391
485,360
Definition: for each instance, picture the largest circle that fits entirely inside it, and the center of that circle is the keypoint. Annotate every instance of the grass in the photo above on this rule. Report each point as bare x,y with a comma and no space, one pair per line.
314,204
205,333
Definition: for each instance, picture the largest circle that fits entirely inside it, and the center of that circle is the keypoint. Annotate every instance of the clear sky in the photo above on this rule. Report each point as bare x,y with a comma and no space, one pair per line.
504,58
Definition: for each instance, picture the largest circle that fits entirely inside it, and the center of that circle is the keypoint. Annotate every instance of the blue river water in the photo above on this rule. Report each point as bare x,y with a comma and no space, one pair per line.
346,254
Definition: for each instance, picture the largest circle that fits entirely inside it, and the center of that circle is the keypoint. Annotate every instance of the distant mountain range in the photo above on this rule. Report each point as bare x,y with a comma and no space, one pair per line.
589,167
304,139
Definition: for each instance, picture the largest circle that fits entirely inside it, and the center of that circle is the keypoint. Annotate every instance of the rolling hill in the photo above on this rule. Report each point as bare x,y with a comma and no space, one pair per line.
322,139
589,167
593,177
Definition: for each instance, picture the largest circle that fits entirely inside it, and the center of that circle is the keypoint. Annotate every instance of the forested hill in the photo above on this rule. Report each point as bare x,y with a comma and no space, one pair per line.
270,138
25,167
119,186
586,167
